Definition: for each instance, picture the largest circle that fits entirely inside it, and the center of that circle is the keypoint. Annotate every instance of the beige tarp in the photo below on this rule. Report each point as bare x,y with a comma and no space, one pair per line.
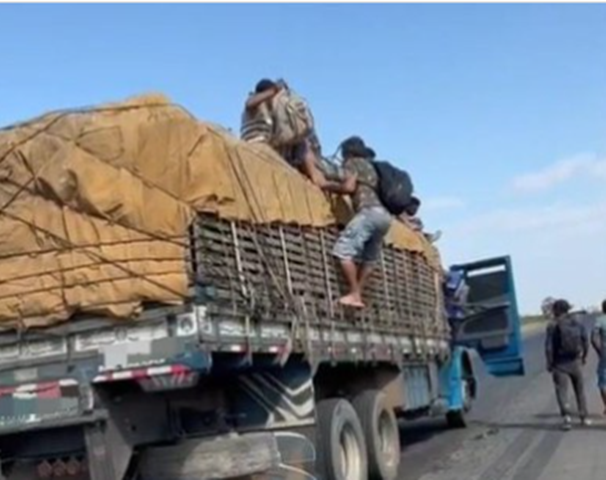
95,206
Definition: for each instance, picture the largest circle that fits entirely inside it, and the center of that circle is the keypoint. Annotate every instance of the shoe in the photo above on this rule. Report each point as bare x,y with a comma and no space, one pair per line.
585,422
567,423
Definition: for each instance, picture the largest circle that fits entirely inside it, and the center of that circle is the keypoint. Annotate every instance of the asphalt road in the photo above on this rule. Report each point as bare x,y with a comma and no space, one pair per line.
514,433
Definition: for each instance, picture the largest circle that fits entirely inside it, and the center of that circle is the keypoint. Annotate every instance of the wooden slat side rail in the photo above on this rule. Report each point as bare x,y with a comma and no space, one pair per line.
263,271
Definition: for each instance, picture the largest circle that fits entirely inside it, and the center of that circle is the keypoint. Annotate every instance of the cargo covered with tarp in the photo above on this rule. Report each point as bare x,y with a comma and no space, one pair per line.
97,204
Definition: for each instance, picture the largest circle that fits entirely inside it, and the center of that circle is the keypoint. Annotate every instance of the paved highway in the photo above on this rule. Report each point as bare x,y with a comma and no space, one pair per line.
514,434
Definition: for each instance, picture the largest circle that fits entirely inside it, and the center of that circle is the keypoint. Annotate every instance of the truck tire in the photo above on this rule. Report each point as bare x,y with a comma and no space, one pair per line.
340,445
456,419
381,432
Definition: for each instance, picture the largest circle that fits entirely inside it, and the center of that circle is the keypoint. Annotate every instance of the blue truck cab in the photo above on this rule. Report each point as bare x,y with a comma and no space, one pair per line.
482,310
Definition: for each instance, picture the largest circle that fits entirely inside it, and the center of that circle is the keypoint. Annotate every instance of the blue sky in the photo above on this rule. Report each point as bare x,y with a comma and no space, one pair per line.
498,111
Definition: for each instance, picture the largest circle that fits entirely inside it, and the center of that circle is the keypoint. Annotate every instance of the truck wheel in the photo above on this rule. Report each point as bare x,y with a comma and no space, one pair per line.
456,419
340,442
381,432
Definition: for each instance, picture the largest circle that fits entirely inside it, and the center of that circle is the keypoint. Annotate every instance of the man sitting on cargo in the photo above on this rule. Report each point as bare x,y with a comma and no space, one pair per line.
303,155
411,218
359,244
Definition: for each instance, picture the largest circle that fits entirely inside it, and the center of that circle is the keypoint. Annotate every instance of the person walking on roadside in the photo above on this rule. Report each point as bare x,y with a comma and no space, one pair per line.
566,348
598,340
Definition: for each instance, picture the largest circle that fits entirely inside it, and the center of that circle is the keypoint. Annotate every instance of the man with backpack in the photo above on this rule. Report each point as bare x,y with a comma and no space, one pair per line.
288,126
566,348
359,244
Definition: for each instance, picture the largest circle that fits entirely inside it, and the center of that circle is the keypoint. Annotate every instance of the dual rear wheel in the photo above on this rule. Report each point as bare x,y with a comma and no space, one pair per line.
357,440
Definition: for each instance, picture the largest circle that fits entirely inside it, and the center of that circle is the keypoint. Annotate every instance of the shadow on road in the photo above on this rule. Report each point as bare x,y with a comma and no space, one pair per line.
557,417
414,432
545,422
548,416
545,426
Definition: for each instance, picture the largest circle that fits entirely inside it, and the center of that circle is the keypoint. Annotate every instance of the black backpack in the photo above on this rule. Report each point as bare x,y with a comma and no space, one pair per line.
569,338
394,187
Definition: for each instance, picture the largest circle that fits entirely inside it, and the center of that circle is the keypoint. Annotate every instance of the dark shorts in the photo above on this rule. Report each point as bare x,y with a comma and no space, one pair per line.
601,373
296,154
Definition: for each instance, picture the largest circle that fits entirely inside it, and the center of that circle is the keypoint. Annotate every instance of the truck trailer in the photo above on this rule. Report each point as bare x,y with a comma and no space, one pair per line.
256,372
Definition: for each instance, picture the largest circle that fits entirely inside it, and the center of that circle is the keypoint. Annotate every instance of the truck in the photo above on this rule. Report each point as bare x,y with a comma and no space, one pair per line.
258,373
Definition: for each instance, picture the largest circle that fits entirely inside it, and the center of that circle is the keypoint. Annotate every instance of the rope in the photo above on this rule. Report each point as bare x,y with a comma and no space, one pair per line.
65,243
270,268
70,245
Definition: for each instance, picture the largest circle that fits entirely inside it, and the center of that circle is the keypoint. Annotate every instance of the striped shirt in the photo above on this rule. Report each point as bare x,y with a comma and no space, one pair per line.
256,125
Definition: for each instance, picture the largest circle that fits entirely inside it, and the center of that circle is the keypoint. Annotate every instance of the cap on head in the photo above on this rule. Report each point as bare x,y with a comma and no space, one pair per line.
561,307
264,85
354,147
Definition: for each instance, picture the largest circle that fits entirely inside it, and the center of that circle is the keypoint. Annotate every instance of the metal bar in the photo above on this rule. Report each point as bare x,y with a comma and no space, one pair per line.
100,463
241,276
234,232
285,257
385,288
331,307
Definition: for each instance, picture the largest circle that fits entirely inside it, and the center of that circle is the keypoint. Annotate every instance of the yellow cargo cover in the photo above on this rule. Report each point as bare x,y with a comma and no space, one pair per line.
95,206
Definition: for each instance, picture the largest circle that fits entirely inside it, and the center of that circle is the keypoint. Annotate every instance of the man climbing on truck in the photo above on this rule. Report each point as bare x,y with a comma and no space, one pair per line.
359,244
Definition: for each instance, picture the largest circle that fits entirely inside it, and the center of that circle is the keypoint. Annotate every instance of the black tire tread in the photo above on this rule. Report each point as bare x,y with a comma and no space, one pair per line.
456,419
364,405
325,413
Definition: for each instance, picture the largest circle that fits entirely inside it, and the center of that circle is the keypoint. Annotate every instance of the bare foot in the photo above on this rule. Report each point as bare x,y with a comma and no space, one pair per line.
352,301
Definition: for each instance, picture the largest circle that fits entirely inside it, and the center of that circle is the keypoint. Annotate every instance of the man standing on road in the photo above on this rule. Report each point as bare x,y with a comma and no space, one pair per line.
598,340
566,348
